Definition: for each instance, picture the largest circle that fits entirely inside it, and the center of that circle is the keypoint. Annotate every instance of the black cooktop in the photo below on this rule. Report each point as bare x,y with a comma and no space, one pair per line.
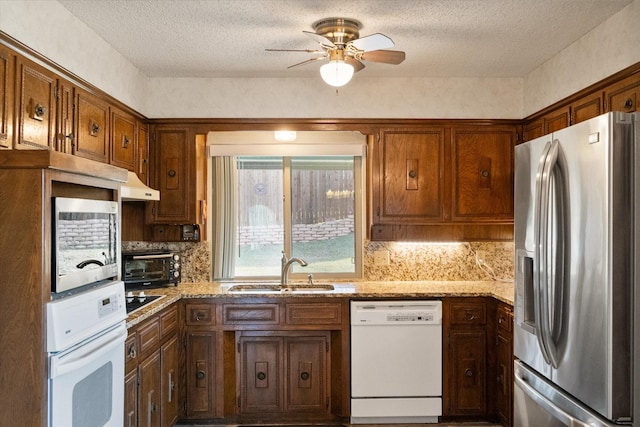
136,302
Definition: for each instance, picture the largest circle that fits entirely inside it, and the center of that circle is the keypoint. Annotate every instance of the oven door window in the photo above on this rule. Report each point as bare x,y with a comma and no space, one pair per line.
86,383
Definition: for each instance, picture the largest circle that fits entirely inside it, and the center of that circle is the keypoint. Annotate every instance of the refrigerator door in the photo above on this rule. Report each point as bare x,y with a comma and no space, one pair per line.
573,261
538,403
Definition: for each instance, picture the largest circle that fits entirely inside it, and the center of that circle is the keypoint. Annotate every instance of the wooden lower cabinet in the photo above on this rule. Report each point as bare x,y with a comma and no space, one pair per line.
283,373
152,372
504,364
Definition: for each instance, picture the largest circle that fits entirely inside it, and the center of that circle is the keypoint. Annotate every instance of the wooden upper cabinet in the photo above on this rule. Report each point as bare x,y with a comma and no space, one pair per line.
556,120
7,86
533,129
124,140
92,127
624,95
587,107
410,174
178,170
35,106
482,165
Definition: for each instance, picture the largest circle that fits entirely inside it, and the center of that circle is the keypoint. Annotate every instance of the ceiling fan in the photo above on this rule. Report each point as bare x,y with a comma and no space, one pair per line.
341,44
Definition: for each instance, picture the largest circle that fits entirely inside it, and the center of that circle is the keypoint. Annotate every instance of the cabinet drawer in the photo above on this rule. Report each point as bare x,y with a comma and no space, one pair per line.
240,314
131,352
468,313
200,314
149,336
169,322
313,314
504,318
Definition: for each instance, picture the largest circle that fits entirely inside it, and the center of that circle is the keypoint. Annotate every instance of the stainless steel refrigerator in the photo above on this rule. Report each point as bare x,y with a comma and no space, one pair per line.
575,240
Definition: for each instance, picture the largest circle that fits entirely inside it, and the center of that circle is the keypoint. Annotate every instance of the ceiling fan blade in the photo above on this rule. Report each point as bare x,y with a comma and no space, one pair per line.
296,50
375,41
357,65
320,39
385,56
307,61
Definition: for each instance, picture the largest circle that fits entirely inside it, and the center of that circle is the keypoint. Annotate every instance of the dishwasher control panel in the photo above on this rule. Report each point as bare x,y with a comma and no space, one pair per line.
396,312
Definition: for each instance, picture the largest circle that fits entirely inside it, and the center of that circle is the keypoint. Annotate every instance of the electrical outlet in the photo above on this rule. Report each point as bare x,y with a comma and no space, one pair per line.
481,256
381,258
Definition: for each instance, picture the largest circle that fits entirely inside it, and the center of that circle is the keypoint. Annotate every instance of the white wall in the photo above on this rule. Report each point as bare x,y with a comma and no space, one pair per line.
608,48
51,30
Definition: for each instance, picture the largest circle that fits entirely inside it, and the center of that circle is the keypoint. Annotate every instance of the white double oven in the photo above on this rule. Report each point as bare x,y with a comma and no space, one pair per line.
86,318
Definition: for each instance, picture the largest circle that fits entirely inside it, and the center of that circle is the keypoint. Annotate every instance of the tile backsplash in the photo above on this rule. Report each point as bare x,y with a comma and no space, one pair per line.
406,261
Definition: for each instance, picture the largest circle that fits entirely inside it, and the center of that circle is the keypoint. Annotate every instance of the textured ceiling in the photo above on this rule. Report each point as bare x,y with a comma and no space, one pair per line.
441,38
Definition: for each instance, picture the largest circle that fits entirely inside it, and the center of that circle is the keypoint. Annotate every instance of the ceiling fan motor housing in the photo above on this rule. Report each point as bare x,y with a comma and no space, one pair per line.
339,30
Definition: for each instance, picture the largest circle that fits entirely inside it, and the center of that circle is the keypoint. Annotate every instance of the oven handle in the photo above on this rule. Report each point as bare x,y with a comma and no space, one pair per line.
78,358
160,256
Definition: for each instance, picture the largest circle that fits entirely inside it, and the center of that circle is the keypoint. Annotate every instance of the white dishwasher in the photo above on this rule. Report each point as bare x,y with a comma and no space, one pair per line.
396,362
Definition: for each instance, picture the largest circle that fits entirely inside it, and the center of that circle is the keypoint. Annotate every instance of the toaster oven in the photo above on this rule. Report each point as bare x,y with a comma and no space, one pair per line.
151,269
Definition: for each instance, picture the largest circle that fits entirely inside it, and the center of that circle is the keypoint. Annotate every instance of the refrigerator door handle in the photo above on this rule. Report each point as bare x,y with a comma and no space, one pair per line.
546,404
540,215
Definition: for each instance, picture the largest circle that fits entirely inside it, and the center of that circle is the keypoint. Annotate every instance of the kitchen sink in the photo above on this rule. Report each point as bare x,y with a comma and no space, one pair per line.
268,288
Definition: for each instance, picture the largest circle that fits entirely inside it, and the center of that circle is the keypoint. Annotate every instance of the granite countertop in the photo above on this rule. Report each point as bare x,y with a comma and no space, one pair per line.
502,291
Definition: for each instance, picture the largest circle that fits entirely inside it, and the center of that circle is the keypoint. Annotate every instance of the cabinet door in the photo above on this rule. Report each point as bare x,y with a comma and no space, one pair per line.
306,374
467,371
123,144
624,95
261,388
36,106
533,129
150,391
482,165
92,127
131,399
201,375
586,108
557,120
170,367
7,70
411,178
504,365
173,174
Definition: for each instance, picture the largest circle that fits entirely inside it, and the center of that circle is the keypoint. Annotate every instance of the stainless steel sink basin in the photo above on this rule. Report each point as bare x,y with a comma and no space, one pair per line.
267,288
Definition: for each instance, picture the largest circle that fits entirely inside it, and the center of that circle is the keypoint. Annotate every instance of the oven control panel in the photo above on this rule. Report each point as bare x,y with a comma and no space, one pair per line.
423,316
109,304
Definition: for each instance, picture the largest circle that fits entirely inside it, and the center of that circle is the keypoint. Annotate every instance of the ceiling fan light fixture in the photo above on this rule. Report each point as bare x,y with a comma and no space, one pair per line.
336,73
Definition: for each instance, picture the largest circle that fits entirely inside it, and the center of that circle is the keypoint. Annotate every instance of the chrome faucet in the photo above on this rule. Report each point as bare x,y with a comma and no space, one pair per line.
286,265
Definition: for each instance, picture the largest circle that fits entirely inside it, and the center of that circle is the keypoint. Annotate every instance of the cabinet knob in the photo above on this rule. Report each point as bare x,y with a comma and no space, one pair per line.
470,315
628,104
261,376
304,376
413,174
200,375
468,372
132,352
94,128
484,173
199,316
125,141
171,173
38,112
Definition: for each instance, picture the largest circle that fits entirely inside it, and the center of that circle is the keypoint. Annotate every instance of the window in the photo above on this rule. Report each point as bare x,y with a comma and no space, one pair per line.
305,206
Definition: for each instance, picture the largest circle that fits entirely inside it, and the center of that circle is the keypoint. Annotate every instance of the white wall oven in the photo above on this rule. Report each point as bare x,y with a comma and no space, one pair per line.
86,236
85,342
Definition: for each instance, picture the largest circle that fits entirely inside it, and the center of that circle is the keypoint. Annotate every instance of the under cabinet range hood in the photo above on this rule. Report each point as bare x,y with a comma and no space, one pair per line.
135,190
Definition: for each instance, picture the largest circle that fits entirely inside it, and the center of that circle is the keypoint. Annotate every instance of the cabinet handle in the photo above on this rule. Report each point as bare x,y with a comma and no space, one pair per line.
470,316
501,320
38,112
628,104
125,141
172,386
468,372
200,375
132,352
304,376
171,173
484,173
261,376
413,174
199,316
